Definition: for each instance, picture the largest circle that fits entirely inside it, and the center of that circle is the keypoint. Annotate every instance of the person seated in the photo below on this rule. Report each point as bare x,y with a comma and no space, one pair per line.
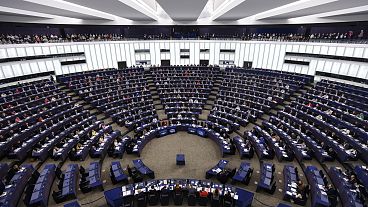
17,120
332,195
101,140
178,195
281,143
215,200
164,196
319,117
78,146
275,138
152,191
203,193
152,196
93,133
228,200
191,190
55,151
301,191
12,172
177,189
115,144
360,116
141,198
353,180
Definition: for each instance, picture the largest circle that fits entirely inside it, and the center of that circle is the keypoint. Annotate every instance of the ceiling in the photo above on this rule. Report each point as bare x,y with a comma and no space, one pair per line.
183,12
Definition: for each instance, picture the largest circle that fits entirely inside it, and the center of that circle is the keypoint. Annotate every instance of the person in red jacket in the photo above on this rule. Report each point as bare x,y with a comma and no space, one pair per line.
17,120
203,193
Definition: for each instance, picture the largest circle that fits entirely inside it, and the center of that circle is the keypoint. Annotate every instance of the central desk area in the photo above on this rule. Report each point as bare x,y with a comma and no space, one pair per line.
120,195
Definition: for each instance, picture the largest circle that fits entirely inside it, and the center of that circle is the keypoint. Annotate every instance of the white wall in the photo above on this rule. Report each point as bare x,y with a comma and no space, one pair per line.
263,54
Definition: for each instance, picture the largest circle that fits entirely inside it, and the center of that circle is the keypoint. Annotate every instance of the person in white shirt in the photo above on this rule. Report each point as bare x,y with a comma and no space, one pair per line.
345,131
329,112
55,151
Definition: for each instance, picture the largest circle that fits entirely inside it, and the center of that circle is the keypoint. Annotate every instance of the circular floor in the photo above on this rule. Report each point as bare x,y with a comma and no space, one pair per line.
200,155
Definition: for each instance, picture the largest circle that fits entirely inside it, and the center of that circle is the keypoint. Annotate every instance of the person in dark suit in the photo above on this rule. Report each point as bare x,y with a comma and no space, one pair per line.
332,195
129,170
191,190
177,189
12,172
228,198
141,198
165,191
152,191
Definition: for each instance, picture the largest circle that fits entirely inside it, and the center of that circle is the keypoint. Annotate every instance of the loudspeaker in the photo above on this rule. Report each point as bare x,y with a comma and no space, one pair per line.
247,64
122,64
165,62
204,62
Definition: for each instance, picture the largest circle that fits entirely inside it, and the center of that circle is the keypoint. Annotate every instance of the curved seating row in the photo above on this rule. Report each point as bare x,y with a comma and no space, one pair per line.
14,189
347,191
267,178
318,183
41,189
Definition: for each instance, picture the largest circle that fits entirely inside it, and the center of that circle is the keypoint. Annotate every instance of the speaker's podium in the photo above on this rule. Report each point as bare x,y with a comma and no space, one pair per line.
180,159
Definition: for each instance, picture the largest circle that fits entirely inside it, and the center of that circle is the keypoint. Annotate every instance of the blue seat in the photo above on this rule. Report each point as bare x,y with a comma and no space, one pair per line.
116,173
42,188
243,174
143,169
266,181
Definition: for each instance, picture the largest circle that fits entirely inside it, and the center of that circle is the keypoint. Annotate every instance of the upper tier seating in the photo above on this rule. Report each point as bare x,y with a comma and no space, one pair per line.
121,94
246,95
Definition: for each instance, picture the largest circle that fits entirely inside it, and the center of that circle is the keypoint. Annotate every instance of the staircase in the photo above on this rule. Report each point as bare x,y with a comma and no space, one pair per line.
101,116
211,98
156,99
